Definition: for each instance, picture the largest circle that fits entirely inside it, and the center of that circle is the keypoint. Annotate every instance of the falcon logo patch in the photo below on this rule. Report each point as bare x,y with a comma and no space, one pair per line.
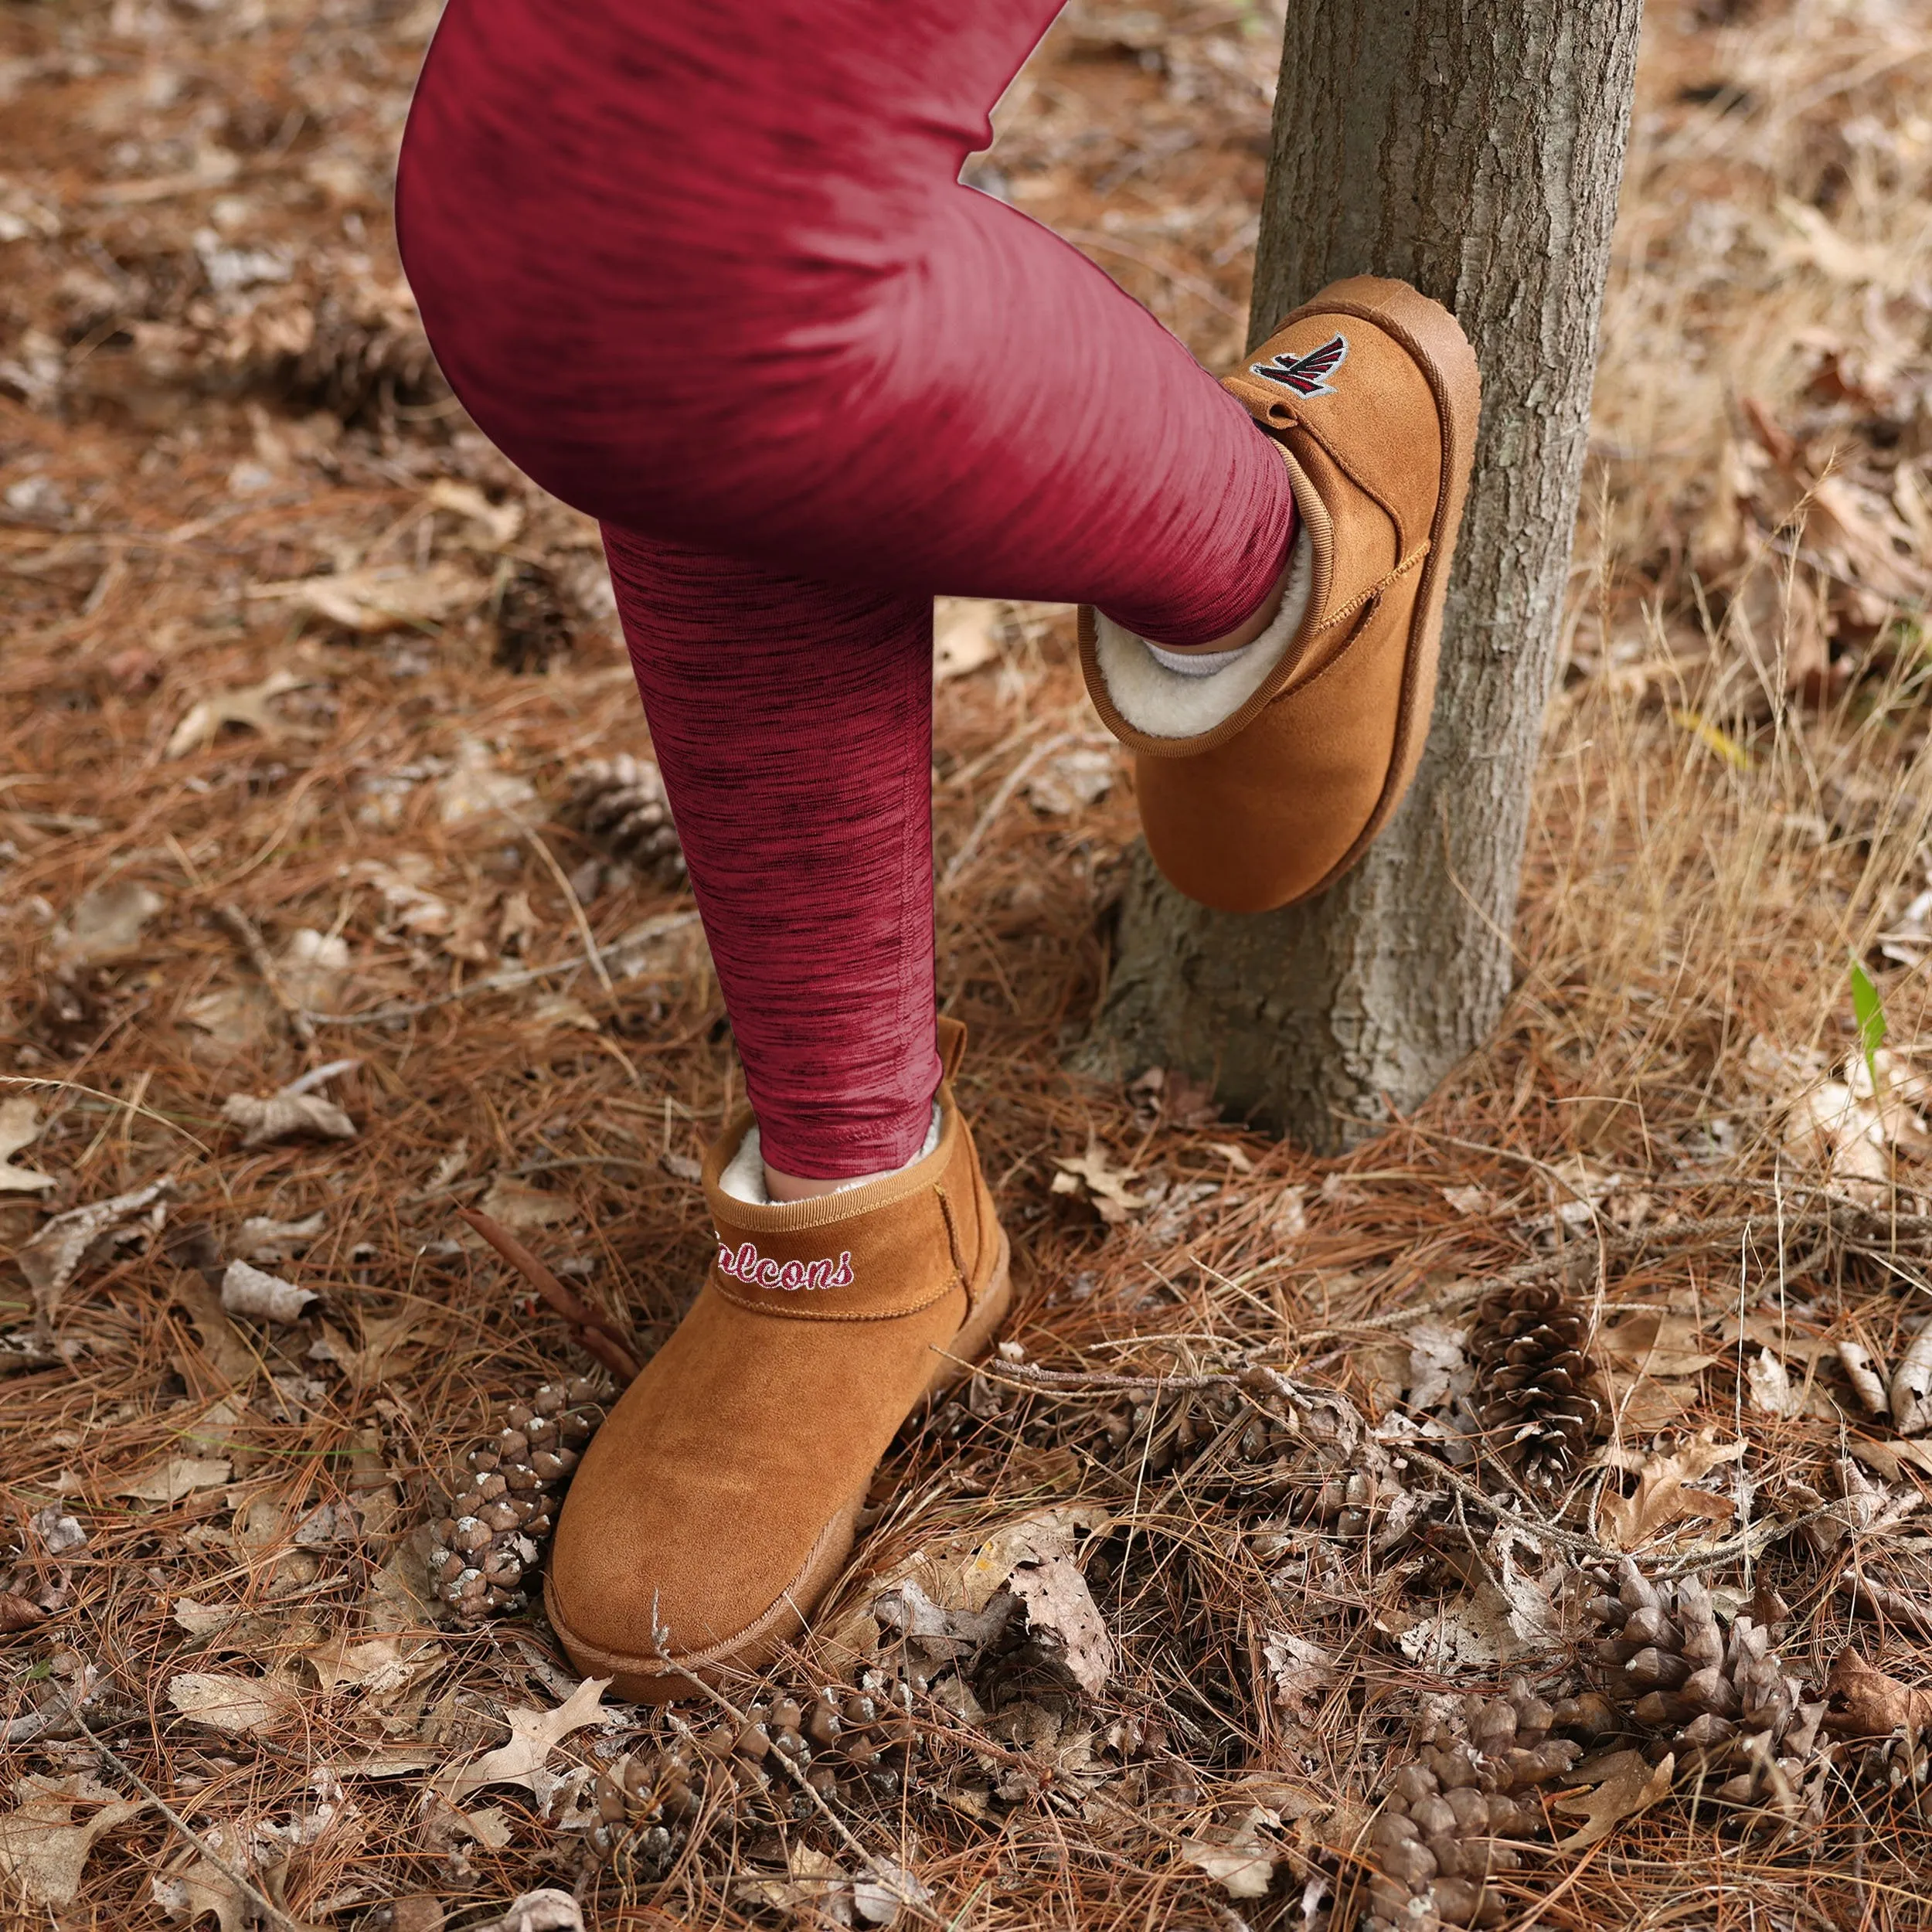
1306,374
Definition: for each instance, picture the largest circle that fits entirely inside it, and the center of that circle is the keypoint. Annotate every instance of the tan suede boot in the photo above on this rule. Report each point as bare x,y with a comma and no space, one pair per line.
1263,782
717,1503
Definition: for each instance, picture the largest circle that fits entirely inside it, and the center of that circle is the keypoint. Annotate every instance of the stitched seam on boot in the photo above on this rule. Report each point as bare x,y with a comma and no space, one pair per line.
959,1270
1355,476
1366,604
1361,597
1376,590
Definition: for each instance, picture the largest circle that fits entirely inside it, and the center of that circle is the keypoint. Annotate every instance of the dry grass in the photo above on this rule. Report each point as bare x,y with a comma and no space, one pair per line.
1732,805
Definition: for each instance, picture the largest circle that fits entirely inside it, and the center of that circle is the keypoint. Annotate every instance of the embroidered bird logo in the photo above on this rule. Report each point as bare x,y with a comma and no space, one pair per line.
1306,374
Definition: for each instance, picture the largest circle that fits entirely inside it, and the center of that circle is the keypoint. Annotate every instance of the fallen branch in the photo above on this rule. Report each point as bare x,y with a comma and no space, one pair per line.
589,1330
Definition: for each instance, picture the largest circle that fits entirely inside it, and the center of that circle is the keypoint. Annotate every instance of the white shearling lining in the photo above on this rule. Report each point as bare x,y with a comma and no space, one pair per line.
1171,704
743,1178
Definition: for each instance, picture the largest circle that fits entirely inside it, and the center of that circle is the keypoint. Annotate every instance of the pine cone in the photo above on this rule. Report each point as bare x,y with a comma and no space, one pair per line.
621,802
850,1742
1440,1837
1311,1454
365,353
532,624
482,1551
1740,1728
1536,1388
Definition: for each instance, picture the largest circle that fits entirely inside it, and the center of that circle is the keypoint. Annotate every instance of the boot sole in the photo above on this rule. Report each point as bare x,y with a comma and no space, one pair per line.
1441,351
648,1681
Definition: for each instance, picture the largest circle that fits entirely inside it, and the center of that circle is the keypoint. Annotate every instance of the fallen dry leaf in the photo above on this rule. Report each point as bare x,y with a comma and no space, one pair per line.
1850,1127
814,1886
500,521
58,1532
1094,1175
384,597
19,1126
52,1258
1655,1344
267,1297
1471,1633
202,1888
248,704
291,1113
518,1205
545,1910
411,906
178,1476
377,1666
231,1357
965,636
366,1364
960,1577
489,1825
1062,1619
1911,1391
1076,778
1664,1495
1040,1538
534,1734
315,969
1865,1702
1868,1383
477,789
107,925
560,1009
1629,1784
1892,1459
1437,1372
1241,1862
17,1613
1772,1391
879,1898
262,1239
41,1850
224,1700
1300,1673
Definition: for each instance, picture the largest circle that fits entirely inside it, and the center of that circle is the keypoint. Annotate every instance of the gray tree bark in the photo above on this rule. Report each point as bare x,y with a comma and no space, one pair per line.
1474,147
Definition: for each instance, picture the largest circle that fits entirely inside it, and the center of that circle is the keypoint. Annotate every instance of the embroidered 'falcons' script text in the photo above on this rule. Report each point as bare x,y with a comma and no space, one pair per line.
755,1270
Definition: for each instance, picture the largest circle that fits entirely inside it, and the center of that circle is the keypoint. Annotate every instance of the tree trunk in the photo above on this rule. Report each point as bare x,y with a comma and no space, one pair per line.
1473,147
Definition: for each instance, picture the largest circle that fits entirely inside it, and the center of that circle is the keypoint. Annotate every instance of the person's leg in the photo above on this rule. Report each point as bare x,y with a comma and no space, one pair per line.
706,270
804,807
719,283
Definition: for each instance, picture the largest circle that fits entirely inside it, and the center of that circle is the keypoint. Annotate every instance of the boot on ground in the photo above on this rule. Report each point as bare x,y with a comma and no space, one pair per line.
717,1506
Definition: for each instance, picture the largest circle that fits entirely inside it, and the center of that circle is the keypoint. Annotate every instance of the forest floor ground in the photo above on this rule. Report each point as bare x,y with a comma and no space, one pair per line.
296,682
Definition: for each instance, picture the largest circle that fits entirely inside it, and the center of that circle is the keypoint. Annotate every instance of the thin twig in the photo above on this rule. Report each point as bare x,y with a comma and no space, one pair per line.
253,944
591,1331
997,803
591,953
23,1729
262,1903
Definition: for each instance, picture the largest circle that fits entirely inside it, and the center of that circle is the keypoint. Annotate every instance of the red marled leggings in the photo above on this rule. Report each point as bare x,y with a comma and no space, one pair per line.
704,268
